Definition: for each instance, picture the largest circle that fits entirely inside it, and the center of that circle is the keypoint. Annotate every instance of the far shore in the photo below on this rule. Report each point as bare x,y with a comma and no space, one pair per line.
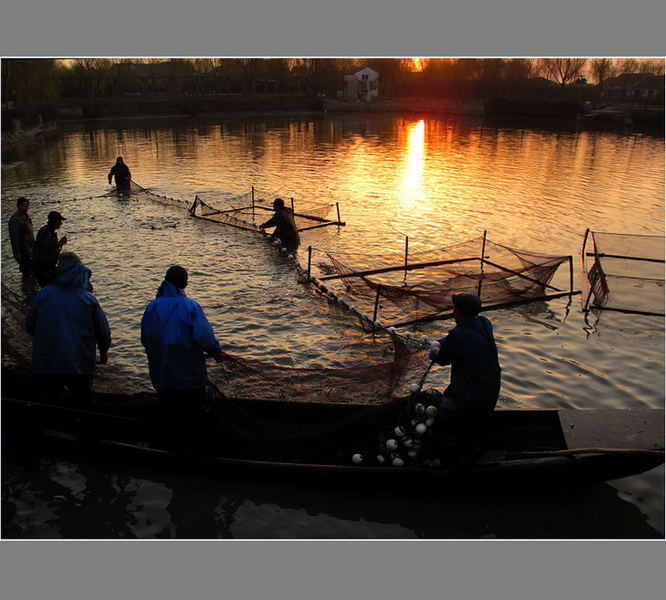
144,108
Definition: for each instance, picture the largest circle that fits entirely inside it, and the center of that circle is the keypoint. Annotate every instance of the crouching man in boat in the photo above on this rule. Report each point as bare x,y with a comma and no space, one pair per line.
68,325
474,387
177,337
285,226
120,171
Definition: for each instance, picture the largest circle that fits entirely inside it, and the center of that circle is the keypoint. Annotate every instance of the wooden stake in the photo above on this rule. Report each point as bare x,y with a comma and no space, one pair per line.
374,314
309,261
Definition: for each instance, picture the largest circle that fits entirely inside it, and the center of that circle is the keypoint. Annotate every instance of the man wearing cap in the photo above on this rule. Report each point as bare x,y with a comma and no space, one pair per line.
471,351
68,325
177,335
47,249
285,226
22,236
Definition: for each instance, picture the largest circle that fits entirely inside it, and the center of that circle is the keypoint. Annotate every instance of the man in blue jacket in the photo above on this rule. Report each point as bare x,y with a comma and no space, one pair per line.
471,351
68,325
177,337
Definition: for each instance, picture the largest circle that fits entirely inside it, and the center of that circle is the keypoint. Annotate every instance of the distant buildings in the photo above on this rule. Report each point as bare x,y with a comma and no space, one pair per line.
638,88
361,85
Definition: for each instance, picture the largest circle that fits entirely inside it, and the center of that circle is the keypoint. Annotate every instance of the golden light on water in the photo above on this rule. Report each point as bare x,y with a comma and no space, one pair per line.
415,158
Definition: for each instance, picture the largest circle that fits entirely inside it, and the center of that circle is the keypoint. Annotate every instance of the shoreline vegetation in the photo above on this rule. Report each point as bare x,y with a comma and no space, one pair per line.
528,111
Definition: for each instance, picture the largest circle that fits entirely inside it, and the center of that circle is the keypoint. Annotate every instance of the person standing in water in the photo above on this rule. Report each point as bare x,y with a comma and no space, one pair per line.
120,171
285,226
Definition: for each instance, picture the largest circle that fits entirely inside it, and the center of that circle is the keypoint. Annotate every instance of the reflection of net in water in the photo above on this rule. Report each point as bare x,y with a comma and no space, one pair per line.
238,378
406,289
626,272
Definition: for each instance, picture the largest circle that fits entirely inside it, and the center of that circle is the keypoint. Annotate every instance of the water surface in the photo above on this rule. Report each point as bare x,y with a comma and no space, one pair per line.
437,182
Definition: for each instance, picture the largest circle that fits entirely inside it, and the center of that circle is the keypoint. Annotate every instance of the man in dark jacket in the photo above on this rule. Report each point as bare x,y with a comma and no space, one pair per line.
47,249
285,226
68,325
22,236
122,175
471,351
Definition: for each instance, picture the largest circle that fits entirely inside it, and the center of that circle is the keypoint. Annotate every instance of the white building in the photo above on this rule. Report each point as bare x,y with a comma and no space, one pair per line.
361,85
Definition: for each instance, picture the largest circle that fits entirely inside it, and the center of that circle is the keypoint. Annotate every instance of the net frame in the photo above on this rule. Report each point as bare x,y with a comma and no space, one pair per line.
525,276
617,260
242,210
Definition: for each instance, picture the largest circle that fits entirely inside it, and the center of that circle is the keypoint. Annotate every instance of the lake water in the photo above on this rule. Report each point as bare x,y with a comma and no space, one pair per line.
436,181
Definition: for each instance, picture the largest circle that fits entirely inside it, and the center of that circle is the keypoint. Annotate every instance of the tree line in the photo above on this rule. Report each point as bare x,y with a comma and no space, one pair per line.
38,83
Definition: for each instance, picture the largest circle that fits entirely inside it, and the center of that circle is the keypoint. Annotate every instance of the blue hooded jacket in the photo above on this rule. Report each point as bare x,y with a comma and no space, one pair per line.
67,322
175,333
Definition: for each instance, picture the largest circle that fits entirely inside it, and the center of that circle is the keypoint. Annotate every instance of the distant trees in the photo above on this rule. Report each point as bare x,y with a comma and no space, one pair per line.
602,69
562,70
30,82
39,82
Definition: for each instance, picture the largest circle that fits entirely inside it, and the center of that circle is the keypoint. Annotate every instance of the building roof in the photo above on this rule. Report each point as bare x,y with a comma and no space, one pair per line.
638,81
357,69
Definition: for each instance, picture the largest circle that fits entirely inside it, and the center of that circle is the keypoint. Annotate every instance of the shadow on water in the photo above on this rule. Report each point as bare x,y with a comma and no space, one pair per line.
64,498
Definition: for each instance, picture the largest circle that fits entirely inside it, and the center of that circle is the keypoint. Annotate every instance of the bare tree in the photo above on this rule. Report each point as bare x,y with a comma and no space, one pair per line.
91,71
602,69
563,70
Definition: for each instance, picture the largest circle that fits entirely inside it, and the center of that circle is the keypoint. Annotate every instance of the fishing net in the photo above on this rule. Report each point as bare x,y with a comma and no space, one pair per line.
626,272
250,209
237,378
240,218
403,289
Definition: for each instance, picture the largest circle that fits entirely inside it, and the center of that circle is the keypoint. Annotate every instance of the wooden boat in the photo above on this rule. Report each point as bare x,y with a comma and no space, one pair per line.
312,444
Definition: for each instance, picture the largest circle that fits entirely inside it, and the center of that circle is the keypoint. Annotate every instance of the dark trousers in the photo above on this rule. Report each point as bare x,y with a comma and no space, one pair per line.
64,389
25,265
183,418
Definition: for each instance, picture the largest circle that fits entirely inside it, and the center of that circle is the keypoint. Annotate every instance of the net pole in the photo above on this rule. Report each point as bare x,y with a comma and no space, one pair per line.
571,274
193,208
406,257
483,254
583,267
376,311
292,204
337,208
309,261
253,216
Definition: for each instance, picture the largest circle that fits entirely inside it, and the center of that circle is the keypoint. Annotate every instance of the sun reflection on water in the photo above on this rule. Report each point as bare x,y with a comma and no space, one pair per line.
415,160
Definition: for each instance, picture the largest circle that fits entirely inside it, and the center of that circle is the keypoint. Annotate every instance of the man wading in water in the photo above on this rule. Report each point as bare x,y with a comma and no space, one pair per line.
122,175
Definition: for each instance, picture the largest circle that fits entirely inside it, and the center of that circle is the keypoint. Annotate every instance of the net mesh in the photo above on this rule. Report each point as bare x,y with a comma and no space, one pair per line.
626,272
420,285
249,209
241,218
371,385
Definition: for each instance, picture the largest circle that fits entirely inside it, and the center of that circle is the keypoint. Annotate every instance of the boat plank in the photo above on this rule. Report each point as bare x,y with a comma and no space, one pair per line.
616,428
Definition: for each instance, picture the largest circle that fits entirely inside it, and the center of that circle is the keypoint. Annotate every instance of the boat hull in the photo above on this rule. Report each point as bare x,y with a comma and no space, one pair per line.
523,450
